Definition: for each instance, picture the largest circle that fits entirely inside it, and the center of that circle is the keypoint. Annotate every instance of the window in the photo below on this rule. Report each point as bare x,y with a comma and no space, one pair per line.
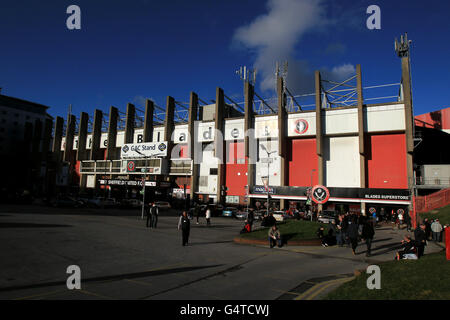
213,171
203,181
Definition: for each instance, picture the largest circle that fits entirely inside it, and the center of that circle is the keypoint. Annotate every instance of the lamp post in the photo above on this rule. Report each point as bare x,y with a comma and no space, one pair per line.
311,177
269,159
310,194
145,170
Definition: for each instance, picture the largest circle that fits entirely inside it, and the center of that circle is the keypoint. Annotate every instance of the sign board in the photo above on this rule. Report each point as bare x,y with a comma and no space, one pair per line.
320,194
118,182
232,199
143,150
131,166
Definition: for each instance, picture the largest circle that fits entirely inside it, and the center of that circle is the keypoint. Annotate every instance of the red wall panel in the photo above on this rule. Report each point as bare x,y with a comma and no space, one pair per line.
235,173
302,159
386,161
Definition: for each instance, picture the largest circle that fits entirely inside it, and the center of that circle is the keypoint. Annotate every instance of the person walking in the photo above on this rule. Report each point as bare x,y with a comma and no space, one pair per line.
339,231
421,239
148,211
208,217
436,229
197,212
184,225
400,220
352,233
427,224
367,234
155,212
407,219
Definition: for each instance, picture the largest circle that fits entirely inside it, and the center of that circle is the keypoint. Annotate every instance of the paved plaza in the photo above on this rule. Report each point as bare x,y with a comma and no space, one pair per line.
120,258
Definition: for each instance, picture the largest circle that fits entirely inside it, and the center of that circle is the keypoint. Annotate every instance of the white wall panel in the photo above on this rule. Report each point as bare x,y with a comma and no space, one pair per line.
341,121
180,134
261,167
158,134
205,131
234,129
208,161
266,127
295,127
341,157
385,118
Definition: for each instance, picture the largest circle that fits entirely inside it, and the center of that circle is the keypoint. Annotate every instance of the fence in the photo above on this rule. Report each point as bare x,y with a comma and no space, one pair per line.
433,201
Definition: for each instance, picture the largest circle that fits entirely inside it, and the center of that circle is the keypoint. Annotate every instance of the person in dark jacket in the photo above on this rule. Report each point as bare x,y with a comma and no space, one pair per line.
407,218
427,224
421,239
340,237
185,225
345,224
250,217
154,213
268,221
352,233
148,211
367,234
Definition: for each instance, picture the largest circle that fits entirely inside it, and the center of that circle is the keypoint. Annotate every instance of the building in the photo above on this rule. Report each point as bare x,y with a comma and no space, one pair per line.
342,152
432,154
25,138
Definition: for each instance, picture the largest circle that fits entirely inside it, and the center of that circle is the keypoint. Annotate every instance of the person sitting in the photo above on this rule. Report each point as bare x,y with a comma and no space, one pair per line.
274,237
268,221
247,227
409,250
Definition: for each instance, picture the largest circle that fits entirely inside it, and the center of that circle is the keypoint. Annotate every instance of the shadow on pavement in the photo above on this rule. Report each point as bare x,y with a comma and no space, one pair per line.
31,225
113,277
206,243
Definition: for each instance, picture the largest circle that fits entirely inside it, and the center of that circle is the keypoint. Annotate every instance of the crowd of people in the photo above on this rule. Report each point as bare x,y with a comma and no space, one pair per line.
346,229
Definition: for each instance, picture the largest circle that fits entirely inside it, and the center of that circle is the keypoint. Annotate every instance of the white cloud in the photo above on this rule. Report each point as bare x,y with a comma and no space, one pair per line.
275,36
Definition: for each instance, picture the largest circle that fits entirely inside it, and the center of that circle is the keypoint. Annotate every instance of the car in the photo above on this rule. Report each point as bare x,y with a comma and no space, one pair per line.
130,203
163,205
95,202
241,214
327,216
229,212
67,202
259,214
109,203
279,216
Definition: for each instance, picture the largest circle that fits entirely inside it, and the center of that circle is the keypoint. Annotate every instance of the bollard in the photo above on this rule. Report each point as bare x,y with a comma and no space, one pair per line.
447,242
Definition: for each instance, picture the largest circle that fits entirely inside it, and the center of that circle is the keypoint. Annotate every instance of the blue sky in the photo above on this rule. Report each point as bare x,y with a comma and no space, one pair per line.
130,50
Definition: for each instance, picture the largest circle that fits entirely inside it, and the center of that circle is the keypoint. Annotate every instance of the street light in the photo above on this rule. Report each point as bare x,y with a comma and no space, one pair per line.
310,194
268,173
311,176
